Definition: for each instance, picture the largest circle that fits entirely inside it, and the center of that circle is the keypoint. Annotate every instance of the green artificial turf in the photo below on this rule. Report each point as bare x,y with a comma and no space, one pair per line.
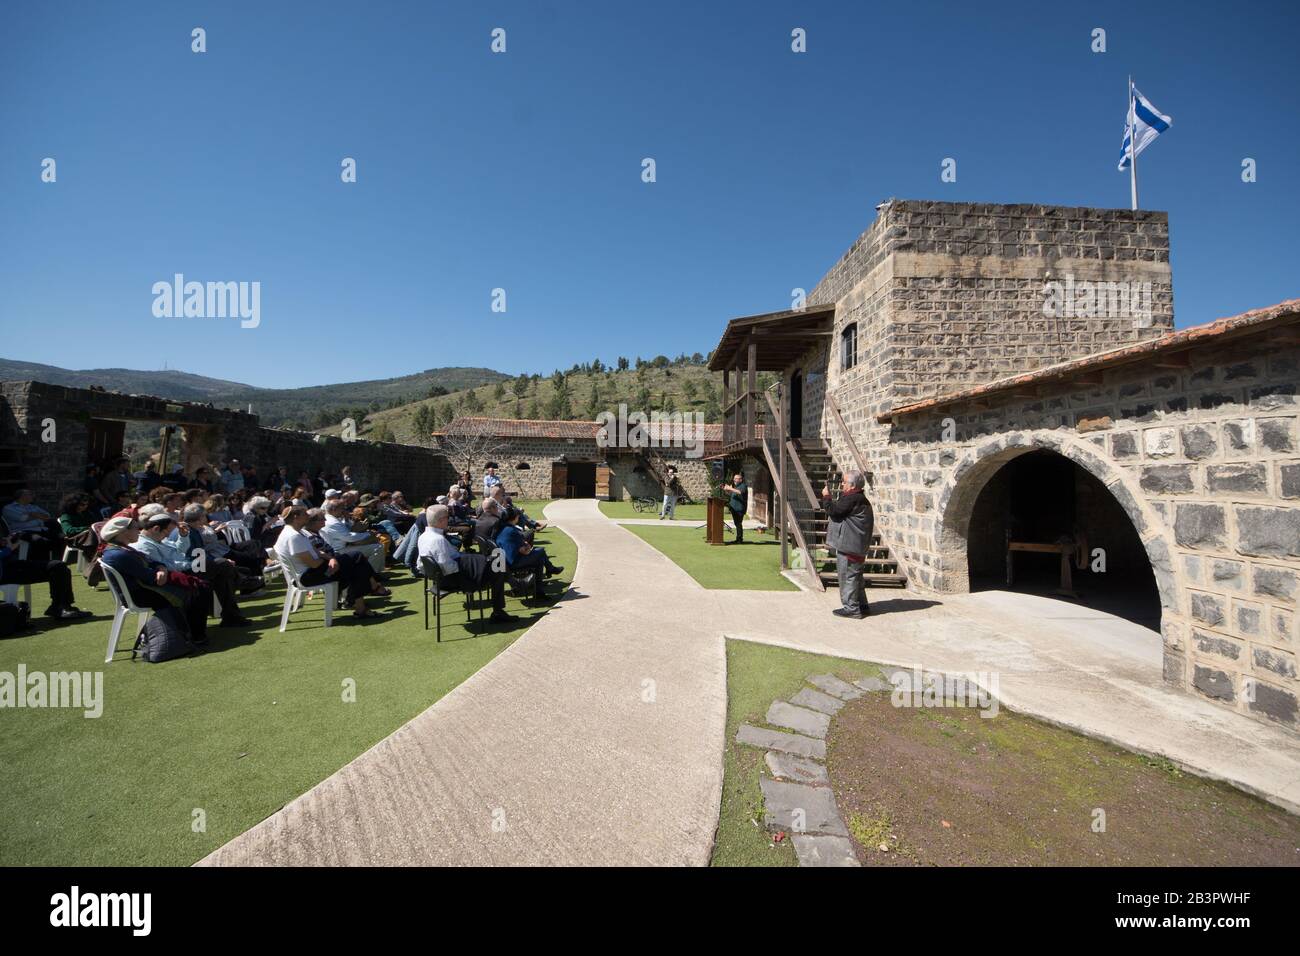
758,674
754,565
620,510
189,753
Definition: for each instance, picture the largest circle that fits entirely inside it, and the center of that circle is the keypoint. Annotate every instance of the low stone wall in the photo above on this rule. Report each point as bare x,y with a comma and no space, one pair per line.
1205,461
52,424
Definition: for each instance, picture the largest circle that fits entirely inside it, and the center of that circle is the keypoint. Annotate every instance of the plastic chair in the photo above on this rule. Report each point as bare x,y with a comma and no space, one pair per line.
295,590
236,532
9,592
122,595
276,567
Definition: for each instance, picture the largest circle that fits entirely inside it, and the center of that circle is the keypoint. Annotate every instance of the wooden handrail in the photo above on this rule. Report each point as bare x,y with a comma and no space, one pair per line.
846,434
792,521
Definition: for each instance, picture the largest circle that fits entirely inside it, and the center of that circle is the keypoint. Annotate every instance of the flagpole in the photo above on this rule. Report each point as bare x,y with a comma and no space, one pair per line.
1132,145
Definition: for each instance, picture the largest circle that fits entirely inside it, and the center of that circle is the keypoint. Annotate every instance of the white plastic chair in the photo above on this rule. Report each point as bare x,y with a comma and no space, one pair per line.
70,552
295,590
276,567
9,592
236,532
122,595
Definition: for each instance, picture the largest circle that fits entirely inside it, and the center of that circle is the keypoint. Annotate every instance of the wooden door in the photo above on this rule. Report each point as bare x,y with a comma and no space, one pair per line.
559,479
602,481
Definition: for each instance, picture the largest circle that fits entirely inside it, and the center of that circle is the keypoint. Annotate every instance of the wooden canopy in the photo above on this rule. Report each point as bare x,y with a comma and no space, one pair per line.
780,338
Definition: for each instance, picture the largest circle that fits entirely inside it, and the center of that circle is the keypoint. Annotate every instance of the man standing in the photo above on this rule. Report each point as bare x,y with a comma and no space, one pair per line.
490,481
672,490
738,504
851,525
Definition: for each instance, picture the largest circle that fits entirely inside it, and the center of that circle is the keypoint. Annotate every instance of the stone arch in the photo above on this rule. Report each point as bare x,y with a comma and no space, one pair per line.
975,466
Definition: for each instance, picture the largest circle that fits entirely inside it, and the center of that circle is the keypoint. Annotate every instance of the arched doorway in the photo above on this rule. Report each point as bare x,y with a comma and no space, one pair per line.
1031,502
796,405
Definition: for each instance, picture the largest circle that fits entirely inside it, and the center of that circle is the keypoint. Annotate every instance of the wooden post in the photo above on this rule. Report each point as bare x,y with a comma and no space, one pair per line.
726,415
780,434
751,386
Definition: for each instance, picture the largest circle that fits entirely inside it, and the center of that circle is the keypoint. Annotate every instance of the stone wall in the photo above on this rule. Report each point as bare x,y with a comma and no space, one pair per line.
1205,461
54,468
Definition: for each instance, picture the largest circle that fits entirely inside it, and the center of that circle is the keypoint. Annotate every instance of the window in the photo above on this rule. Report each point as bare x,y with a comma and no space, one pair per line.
523,466
849,346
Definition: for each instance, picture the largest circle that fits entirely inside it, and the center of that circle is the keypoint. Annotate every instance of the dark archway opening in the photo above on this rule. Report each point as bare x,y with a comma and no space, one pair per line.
582,479
1042,498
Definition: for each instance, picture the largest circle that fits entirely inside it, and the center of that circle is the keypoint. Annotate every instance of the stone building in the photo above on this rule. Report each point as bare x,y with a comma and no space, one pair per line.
564,459
1009,379
48,434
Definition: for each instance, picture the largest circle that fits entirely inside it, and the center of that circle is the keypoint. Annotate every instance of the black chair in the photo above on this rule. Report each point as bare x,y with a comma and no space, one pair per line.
433,588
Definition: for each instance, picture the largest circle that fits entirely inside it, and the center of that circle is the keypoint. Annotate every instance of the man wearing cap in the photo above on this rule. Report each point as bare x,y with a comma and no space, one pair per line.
147,580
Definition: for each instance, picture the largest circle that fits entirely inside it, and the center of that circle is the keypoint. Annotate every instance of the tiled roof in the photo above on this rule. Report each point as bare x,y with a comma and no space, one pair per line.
529,428
1211,334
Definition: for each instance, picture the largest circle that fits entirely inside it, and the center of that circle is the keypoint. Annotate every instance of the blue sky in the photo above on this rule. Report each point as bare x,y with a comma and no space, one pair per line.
522,170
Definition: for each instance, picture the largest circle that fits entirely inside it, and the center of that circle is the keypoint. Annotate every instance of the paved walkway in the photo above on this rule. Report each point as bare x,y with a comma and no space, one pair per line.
597,737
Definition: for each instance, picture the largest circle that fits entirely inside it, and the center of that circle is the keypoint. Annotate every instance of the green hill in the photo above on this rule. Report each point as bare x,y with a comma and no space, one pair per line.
305,408
684,385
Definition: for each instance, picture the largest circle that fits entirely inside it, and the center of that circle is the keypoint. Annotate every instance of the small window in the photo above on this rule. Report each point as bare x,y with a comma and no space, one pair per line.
523,466
849,346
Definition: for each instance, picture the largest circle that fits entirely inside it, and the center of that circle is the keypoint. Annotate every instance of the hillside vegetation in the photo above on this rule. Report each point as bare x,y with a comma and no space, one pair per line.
661,384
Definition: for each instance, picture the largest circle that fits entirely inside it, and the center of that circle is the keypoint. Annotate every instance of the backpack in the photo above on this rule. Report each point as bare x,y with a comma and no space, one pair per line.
14,618
166,635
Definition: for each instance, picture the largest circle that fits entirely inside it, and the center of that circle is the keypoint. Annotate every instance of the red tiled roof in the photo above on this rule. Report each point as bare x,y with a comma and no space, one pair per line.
561,430
1209,334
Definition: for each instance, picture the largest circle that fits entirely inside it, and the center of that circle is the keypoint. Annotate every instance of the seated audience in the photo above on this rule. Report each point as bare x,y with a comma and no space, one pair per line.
461,571
315,522
152,584
488,525
520,553
203,481
314,569
339,533
14,570
221,573
33,524
246,555
75,520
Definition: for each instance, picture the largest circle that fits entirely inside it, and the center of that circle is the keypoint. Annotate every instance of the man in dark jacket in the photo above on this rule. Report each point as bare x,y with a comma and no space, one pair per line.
849,535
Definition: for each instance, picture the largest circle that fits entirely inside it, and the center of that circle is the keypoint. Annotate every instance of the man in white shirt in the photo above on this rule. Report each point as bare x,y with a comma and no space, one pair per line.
490,481
232,478
461,571
340,536
315,569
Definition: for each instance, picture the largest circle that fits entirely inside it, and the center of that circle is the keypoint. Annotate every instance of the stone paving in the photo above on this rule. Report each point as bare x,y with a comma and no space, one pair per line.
797,797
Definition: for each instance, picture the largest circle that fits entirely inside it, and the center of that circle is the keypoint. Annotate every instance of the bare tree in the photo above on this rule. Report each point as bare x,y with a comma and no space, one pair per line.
470,443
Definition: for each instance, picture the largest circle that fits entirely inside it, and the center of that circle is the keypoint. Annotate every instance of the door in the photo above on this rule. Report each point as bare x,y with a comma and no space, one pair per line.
559,479
602,481
796,405
582,479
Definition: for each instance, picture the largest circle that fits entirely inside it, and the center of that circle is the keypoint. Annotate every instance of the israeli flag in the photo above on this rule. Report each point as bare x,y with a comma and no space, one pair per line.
1143,124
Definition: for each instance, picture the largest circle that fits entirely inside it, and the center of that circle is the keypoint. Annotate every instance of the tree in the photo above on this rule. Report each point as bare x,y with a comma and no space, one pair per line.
534,412
688,387
471,443
472,403
520,385
499,392
643,399
712,410
622,363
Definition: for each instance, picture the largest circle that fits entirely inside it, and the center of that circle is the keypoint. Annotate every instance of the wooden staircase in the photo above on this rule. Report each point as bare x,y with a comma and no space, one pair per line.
814,459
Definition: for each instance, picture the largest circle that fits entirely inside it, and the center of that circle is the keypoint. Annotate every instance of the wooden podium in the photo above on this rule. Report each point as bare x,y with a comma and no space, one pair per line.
714,526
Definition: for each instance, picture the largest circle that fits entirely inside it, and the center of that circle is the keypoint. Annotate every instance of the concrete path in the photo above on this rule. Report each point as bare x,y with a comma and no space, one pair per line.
596,738
1054,660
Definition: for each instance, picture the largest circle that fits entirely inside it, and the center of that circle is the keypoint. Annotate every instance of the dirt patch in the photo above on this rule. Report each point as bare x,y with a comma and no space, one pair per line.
947,787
